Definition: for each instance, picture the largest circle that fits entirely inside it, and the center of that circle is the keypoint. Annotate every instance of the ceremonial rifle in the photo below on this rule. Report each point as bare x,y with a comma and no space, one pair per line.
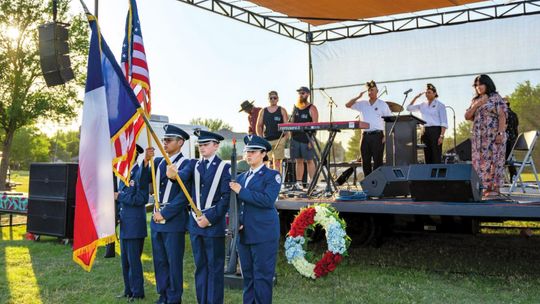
233,218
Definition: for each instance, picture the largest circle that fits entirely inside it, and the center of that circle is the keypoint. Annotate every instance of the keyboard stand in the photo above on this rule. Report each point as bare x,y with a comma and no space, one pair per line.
323,163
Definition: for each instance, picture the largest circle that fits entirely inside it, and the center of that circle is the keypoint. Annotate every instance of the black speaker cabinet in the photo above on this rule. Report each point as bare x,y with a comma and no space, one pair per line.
463,150
449,183
54,53
51,199
387,181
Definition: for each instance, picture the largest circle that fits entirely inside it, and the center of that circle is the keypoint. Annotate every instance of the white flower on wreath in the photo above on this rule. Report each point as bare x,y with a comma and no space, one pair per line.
304,267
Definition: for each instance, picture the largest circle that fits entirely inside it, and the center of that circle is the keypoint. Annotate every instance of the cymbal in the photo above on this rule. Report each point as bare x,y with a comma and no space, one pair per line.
394,107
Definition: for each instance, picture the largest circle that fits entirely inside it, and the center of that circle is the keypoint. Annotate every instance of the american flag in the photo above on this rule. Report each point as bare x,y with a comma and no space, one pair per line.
135,70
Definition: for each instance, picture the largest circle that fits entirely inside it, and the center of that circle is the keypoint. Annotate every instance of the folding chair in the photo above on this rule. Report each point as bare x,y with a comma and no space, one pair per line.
525,142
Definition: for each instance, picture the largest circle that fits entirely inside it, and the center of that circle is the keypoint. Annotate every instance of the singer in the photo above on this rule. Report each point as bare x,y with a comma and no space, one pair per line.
371,111
488,142
434,113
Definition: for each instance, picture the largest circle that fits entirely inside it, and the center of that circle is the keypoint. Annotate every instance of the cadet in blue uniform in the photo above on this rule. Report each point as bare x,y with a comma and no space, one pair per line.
258,190
210,191
170,221
132,214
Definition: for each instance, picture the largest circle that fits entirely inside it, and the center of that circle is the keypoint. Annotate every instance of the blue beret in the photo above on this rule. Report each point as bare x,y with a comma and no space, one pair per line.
172,131
206,136
254,142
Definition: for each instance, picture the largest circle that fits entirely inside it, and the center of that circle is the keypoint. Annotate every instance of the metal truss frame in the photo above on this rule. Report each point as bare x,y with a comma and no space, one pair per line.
361,28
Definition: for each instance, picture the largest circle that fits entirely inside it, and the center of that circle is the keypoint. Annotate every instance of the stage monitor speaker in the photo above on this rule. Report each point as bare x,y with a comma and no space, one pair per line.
54,53
51,199
463,150
448,183
387,181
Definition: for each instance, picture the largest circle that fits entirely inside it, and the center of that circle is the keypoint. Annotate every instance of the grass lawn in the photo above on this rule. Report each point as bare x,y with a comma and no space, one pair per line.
408,268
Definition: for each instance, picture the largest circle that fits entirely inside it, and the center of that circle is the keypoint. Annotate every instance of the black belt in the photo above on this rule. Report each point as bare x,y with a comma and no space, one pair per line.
433,127
372,132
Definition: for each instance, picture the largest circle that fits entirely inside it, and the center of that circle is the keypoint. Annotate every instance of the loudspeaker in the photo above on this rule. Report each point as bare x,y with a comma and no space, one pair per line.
449,183
387,181
51,199
463,150
54,53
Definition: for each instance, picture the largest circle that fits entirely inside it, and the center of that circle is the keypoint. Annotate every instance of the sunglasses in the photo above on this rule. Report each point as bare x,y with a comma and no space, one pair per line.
302,93
273,97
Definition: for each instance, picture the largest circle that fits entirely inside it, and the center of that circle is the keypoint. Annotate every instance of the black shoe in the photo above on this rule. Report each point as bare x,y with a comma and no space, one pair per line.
123,295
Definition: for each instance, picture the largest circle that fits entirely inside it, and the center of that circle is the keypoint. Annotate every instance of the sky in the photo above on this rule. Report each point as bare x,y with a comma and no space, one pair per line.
204,65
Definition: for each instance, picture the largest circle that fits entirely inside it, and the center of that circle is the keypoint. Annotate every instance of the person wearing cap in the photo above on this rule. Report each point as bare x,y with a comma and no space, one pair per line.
169,222
210,190
433,112
253,114
132,214
372,112
301,148
267,127
257,191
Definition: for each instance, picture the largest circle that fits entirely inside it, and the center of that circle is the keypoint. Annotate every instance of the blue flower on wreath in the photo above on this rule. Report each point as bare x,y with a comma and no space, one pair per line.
335,237
294,248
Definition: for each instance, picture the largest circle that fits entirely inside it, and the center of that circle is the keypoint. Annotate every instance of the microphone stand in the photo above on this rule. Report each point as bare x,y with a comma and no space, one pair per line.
331,104
454,119
392,130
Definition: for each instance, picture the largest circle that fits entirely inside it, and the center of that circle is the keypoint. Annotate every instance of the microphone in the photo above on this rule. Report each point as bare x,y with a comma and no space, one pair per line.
407,92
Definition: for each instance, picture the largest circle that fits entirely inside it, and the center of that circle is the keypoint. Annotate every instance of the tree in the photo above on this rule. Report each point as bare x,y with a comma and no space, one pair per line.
463,132
64,146
24,97
353,146
29,145
525,101
211,123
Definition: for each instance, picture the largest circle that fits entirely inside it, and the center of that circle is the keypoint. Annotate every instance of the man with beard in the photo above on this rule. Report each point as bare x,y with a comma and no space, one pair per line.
301,147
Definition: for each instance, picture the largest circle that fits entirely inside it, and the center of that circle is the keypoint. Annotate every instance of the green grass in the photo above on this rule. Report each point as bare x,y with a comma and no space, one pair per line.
409,268
20,177
427,268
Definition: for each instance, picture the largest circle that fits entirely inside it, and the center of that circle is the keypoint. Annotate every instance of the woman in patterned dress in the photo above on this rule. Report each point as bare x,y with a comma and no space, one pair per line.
488,113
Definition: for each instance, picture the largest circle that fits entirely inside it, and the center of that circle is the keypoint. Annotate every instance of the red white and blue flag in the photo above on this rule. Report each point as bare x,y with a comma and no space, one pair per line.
135,68
109,107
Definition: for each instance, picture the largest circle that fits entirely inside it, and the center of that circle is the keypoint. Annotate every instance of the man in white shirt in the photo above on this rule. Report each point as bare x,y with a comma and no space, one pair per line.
371,111
433,112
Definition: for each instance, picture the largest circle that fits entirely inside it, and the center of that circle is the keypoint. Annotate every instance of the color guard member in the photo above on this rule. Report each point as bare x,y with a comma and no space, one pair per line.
132,214
210,191
169,222
258,190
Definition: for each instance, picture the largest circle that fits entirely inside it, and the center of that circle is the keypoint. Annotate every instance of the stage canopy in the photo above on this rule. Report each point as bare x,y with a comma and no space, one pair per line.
317,11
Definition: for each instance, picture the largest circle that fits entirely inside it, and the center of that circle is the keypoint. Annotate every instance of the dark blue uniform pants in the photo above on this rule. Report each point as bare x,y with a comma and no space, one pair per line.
209,256
131,251
258,262
168,255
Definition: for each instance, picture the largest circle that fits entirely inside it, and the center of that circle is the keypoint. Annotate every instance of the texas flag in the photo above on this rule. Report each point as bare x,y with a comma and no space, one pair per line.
109,107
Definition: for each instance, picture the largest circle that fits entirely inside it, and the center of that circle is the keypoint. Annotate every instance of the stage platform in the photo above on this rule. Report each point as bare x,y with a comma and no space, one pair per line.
518,206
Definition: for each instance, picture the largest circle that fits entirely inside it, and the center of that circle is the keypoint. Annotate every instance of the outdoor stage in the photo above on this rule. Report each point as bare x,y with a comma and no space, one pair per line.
518,206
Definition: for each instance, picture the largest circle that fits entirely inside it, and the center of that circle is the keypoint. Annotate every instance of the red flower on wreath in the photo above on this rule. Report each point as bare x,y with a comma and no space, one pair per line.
302,221
327,264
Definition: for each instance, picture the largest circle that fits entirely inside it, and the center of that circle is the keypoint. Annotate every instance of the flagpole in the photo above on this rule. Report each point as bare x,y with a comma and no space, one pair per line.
168,160
152,165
